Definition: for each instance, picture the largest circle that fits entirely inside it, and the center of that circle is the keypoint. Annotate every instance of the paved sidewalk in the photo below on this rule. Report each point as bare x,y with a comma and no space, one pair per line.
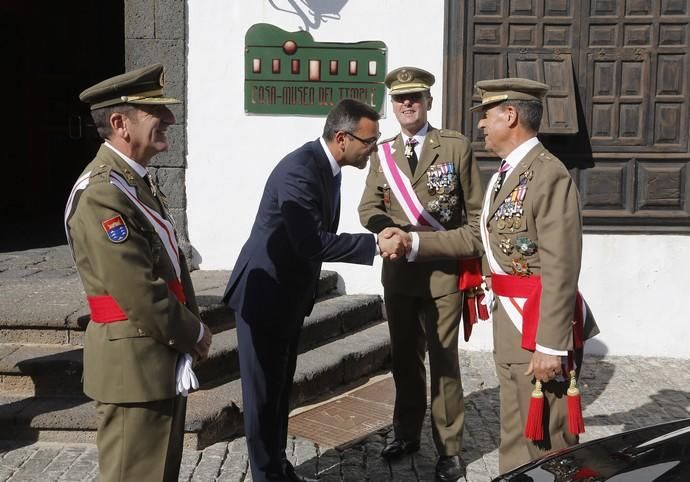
619,393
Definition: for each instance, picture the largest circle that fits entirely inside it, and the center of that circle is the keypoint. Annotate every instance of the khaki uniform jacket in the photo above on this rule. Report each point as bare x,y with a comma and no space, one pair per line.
132,360
434,278
551,220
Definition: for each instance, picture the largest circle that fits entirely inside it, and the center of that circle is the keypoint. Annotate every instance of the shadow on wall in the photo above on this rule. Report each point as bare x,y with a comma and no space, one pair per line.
312,12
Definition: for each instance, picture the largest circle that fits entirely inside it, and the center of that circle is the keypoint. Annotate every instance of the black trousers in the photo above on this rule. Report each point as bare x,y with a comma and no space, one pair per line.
268,357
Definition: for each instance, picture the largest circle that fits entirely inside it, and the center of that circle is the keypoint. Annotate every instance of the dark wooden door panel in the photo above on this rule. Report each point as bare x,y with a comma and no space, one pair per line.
619,97
555,70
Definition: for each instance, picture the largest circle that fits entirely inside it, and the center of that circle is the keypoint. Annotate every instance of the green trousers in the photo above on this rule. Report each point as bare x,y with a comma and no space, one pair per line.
140,441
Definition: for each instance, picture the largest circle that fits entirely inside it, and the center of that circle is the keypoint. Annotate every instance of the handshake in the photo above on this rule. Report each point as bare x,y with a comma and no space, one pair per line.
394,243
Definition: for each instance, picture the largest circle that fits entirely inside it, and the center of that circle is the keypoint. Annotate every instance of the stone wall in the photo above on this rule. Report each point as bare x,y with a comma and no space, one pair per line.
156,32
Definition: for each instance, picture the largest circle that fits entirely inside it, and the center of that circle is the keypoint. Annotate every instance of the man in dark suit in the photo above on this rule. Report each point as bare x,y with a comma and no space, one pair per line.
273,284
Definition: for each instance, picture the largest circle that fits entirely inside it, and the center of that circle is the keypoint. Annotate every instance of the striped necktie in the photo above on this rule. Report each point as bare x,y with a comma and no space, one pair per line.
501,176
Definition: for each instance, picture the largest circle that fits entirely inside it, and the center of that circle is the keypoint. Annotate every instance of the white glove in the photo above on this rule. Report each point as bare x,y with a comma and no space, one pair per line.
186,379
488,300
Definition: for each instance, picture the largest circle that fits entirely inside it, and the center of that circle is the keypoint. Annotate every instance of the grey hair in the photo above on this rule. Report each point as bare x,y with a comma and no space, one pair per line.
529,112
101,118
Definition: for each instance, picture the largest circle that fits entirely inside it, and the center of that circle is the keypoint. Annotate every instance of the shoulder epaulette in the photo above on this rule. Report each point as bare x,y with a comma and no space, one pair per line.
450,133
388,139
100,174
546,155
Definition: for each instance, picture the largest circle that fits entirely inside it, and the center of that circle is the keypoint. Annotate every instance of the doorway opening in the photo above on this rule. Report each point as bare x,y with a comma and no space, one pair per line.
57,51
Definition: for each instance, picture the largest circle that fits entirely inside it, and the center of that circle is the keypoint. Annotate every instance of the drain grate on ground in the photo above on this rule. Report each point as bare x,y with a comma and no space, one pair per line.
348,418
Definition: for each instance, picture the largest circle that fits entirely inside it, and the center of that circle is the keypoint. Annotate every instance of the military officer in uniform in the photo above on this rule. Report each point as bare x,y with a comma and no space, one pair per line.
422,168
531,231
145,327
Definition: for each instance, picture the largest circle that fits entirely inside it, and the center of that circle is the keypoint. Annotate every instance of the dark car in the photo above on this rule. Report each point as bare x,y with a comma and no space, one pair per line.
657,453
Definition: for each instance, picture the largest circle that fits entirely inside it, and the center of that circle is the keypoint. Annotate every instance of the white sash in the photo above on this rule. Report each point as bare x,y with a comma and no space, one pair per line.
162,226
81,183
404,192
512,306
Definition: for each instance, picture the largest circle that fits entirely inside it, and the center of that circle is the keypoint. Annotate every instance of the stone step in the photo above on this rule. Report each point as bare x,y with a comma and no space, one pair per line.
212,414
49,307
56,370
331,318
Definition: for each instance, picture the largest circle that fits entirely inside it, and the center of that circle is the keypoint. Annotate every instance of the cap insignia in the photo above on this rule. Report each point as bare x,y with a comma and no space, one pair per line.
404,76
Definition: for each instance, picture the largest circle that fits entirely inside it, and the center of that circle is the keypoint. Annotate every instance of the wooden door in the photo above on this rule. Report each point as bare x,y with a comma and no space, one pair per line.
617,112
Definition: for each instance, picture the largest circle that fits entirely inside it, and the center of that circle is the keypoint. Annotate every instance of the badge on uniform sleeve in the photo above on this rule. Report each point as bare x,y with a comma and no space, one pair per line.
116,229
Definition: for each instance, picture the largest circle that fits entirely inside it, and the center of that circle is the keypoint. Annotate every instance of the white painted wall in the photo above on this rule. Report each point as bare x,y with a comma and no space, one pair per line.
230,153
636,285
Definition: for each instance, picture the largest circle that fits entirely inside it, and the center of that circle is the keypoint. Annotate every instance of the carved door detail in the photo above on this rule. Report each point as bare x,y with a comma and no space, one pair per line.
619,98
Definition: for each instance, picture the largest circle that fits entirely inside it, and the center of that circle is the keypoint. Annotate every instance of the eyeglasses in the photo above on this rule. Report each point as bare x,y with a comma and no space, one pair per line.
367,142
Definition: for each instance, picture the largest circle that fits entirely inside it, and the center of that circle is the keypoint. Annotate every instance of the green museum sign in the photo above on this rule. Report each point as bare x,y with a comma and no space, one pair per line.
290,73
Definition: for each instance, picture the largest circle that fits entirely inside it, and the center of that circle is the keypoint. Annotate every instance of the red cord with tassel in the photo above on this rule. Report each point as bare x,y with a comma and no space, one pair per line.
534,428
576,424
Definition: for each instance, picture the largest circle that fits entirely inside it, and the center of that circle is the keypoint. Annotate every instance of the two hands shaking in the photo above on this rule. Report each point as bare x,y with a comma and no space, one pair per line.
394,243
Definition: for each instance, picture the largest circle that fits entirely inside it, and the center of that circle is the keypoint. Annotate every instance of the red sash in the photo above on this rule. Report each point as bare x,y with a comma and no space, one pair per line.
529,287
104,308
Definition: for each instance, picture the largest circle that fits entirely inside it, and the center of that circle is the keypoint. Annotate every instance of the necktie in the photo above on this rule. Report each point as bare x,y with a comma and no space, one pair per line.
411,154
151,185
501,176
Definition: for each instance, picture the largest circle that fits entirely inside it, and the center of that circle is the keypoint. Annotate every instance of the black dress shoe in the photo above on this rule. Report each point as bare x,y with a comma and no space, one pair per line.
449,468
293,476
397,448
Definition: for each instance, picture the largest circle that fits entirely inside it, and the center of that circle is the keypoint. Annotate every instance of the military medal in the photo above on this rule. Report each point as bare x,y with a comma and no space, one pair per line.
506,245
442,181
525,246
520,267
409,147
509,213
433,206
445,214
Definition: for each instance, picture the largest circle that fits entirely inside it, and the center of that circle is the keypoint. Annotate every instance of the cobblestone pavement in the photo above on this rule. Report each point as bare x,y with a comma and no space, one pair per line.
619,393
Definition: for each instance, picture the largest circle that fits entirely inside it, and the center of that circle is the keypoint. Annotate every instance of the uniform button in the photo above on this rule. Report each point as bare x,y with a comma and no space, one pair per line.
171,342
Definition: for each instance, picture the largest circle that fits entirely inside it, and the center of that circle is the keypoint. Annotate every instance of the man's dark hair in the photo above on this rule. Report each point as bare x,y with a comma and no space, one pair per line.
529,112
345,116
101,118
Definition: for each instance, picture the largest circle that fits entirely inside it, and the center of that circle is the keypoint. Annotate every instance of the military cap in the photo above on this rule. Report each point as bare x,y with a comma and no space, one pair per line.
405,80
515,88
140,86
